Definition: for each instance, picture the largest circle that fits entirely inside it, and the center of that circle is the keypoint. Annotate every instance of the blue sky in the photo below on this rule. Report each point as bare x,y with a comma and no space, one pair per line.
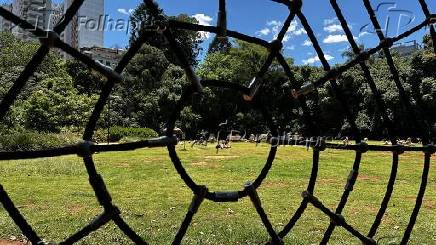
262,18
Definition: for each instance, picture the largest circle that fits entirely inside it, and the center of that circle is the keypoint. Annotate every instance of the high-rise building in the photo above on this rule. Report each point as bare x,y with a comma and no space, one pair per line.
86,30
36,12
56,14
4,24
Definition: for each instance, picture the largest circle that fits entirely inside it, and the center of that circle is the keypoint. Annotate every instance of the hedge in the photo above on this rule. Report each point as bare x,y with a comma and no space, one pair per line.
26,140
120,133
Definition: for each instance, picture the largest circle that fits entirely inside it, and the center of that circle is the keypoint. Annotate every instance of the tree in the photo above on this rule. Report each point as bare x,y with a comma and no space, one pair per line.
135,97
56,104
188,41
240,65
48,101
153,80
85,80
349,54
220,44
15,55
427,40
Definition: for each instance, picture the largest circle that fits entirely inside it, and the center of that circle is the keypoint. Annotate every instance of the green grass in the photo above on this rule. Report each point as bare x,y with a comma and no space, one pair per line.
55,197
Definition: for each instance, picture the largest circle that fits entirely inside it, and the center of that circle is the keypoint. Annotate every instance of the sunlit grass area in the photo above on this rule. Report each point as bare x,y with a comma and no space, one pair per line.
56,198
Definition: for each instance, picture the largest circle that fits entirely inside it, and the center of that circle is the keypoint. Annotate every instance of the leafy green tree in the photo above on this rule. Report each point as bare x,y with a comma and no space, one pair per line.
349,54
220,44
56,104
188,41
240,64
427,41
15,55
85,80
145,70
135,99
48,101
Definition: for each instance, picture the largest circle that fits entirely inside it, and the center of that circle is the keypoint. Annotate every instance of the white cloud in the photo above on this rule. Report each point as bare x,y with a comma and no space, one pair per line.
333,28
293,26
330,21
285,38
273,23
307,42
292,47
335,39
299,32
364,33
294,30
274,26
311,60
203,20
328,57
264,32
125,11
314,59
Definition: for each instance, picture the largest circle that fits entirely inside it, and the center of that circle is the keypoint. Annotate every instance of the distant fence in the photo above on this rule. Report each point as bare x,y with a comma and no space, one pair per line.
85,149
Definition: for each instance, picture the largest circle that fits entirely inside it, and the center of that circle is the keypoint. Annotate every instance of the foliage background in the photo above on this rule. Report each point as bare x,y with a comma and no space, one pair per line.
61,94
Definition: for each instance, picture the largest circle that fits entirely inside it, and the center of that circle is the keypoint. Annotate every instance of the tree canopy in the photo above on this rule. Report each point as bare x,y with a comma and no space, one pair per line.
61,94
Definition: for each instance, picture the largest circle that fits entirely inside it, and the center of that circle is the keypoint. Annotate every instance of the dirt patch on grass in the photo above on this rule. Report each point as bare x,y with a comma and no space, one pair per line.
430,204
367,177
29,205
358,209
212,161
275,184
330,181
6,242
361,177
206,164
122,165
220,157
426,203
75,209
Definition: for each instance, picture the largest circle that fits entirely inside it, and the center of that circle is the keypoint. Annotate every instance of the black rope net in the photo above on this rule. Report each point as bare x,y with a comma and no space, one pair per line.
85,149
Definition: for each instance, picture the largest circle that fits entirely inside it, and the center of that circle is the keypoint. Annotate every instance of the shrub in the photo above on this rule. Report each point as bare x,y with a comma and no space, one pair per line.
117,133
25,140
121,133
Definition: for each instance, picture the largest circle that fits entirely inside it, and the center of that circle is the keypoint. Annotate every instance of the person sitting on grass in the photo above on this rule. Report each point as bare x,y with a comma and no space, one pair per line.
223,144
346,141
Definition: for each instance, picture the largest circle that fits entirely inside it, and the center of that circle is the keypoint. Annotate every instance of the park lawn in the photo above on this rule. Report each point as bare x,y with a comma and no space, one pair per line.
57,200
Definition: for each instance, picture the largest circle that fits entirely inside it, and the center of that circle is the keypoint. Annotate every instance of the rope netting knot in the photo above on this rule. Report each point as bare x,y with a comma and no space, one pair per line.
86,148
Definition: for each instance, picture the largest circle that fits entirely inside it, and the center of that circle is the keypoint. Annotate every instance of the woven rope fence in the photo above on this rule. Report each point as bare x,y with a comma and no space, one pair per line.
85,149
